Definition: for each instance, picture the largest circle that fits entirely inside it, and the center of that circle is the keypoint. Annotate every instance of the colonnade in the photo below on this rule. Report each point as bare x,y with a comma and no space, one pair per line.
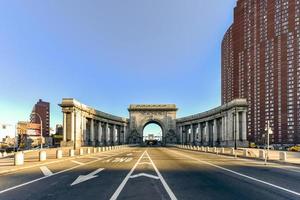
222,126
84,126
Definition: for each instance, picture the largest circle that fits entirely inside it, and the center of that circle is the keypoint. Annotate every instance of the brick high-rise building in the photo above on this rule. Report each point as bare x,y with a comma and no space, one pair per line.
43,109
261,62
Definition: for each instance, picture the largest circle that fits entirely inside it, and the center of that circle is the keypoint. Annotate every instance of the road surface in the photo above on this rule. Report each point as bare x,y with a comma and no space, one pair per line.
152,173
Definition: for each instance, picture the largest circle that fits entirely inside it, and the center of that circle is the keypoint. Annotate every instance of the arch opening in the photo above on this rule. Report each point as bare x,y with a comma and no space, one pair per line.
152,133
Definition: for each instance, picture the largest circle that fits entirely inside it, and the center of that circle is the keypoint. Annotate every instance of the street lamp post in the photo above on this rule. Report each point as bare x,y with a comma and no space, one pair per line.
269,132
41,122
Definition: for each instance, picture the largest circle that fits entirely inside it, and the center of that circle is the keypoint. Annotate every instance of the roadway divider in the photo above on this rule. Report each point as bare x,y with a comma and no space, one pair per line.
249,153
71,152
19,157
42,156
59,153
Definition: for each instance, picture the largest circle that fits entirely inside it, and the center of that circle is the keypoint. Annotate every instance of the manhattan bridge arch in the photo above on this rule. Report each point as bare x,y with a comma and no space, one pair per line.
140,115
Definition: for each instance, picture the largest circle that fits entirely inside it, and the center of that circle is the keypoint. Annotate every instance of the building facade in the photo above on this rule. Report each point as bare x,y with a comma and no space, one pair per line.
43,109
261,62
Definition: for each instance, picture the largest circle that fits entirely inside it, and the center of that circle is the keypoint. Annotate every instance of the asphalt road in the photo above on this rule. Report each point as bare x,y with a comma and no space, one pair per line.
152,173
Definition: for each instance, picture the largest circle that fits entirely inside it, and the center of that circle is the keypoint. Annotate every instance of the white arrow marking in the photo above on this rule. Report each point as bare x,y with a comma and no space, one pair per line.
83,178
46,171
144,174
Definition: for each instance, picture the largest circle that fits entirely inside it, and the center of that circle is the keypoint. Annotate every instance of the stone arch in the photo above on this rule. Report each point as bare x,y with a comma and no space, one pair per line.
157,122
141,115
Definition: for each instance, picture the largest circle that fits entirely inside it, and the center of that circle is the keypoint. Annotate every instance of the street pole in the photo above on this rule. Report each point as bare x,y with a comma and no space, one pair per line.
269,131
16,139
41,122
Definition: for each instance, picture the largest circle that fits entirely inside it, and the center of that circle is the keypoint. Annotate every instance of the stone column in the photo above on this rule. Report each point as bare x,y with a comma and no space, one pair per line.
92,132
244,125
84,130
237,126
124,134
65,127
225,134
222,130
115,136
180,135
199,132
192,134
215,131
100,142
206,132
107,134
72,127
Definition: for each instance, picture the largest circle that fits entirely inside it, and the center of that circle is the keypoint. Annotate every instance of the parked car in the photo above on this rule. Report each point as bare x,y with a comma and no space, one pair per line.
294,148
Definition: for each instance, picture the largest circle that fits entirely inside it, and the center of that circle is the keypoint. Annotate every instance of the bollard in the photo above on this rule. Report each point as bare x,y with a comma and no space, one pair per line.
245,152
19,158
262,154
4,154
95,150
58,153
80,151
42,155
71,152
222,150
202,148
282,156
198,148
88,150
215,149
232,151
99,149
207,149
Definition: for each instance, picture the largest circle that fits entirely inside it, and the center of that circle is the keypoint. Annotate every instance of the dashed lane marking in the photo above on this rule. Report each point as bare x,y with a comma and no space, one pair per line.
46,171
77,162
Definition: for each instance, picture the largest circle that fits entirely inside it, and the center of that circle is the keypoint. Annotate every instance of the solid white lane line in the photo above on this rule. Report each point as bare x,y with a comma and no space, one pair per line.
240,174
77,162
46,171
167,188
44,177
121,186
144,174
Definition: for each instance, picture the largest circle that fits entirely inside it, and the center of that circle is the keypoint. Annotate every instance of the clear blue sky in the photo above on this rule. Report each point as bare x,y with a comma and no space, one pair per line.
111,53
